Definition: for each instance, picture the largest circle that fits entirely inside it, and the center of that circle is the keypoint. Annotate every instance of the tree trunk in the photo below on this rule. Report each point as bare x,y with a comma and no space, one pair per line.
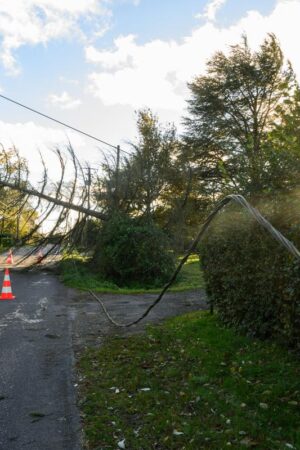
56,201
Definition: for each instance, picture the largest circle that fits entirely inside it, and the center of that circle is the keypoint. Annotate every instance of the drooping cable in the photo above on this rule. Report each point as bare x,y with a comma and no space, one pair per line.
235,198
115,147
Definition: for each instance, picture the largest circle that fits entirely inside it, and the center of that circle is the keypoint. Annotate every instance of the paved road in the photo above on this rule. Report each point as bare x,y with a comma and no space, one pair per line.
91,327
39,331
37,392
19,254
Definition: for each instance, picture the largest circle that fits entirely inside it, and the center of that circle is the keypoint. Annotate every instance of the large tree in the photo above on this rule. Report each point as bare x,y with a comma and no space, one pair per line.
153,161
283,146
137,186
232,111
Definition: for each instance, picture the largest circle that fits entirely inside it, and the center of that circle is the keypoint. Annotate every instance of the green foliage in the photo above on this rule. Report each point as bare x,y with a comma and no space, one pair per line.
76,272
137,185
131,251
233,110
252,281
16,222
218,389
283,146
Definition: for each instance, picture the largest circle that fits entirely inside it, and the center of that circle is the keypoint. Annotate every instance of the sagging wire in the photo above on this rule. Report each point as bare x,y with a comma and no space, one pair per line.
239,199
115,147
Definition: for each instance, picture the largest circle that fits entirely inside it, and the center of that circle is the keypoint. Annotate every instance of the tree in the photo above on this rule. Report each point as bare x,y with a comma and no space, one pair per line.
232,111
152,162
59,205
145,176
283,146
154,182
17,216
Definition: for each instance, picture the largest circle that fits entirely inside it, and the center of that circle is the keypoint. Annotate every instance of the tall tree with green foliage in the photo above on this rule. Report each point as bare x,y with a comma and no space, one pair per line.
153,161
145,176
284,140
153,182
232,112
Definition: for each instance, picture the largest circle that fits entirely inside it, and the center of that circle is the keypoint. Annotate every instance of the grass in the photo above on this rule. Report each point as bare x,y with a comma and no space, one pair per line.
79,276
190,384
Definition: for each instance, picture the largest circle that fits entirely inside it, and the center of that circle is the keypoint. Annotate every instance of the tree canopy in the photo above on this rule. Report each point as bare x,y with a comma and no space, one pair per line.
233,110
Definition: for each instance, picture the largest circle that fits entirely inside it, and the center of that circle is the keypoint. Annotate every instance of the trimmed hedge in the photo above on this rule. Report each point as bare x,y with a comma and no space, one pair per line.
252,281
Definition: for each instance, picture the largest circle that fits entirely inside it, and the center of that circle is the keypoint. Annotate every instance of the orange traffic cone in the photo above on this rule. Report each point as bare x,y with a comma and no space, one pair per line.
6,293
9,259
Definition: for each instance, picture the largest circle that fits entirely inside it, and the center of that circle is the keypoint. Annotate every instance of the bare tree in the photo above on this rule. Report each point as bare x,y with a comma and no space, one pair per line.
65,200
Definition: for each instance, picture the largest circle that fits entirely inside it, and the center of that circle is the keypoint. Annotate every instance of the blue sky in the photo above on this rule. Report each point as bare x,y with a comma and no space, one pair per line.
43,65
233,10
173,19
154,19
93,63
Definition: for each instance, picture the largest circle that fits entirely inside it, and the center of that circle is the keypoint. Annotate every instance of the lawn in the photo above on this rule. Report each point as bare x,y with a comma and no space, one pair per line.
75,273
190,384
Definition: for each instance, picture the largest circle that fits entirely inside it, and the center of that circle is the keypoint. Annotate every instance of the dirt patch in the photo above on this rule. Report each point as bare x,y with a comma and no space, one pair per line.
91,327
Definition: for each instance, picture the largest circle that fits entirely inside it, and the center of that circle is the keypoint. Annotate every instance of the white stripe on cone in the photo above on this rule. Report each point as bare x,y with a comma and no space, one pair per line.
6,290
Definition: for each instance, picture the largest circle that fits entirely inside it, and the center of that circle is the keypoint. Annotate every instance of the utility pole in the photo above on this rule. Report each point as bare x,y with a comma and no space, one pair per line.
117,177
18,226
88,183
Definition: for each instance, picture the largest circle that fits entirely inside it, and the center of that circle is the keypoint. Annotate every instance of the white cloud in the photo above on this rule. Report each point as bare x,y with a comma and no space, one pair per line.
29,138
66,80
137,75
155,74
211,10
30,22
133,2
64,101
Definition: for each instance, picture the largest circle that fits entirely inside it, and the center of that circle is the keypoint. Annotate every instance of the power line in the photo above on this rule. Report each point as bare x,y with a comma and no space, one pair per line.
264,223
115,147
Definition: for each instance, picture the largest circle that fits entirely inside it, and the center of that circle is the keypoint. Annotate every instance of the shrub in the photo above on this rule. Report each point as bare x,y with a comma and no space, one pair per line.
252,281
131,252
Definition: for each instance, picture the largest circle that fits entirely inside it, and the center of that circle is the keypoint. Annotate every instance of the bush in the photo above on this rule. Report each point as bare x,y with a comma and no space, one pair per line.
131,253
252,281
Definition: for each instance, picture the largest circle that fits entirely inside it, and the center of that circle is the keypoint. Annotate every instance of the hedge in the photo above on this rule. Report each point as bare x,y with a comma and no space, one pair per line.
251,280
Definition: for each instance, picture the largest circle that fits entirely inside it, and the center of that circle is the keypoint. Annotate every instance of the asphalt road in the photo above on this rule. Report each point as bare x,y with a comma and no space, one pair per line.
37,383
19,253
39,332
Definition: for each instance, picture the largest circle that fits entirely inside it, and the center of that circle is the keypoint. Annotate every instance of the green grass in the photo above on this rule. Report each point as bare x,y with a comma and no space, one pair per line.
80,277
218,389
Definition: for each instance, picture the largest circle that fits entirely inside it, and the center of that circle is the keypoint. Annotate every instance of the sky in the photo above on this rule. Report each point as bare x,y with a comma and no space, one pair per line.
94,63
